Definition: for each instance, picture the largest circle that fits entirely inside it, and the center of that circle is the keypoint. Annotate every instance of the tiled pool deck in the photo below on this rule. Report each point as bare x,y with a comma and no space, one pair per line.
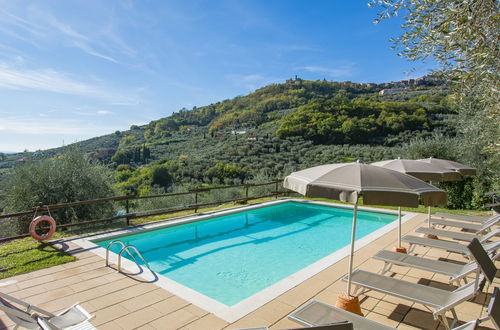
127,302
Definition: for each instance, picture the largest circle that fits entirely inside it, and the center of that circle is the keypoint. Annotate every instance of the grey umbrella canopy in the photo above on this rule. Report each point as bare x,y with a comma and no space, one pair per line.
378,186
445,164
421,170
450,165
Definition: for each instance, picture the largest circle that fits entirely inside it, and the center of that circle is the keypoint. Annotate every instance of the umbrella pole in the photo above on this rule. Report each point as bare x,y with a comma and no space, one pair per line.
399,248
399,226
351,255
350,303
429,216
429,223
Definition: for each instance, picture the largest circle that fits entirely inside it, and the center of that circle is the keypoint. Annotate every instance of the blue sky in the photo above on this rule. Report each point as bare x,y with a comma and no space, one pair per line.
71,70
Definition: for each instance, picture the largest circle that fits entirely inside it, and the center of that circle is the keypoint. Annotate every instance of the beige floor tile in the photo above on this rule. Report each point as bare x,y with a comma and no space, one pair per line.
386,305
208,322
286,323
421,319
196,310
28,292
138,318
174,320
110,326
170,304
108,314
88,284
146,327
8,288
109,299
248,322
273,311
141,301
381,318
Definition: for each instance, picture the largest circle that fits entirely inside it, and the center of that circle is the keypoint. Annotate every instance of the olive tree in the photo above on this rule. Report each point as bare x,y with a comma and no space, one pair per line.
462,36
67,178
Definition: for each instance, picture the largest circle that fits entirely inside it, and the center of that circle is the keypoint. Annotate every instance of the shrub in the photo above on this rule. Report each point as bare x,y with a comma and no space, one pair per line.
68,178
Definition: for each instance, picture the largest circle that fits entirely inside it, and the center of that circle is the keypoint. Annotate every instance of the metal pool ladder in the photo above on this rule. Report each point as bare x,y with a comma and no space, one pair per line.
125,248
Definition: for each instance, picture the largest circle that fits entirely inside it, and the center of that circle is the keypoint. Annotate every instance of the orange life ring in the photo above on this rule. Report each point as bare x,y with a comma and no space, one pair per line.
36,221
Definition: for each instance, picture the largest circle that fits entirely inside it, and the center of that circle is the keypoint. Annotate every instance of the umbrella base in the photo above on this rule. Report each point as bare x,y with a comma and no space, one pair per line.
431,236
349,303
400,249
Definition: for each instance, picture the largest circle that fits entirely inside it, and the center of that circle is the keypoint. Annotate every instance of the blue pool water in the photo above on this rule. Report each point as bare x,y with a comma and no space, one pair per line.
231,257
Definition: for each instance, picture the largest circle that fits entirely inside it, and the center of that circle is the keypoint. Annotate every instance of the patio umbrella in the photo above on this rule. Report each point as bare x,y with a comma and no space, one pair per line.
348,181
450,165
445,164
420,170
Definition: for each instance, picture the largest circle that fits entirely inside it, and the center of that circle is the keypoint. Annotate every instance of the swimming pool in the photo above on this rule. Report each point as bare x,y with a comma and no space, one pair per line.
233,260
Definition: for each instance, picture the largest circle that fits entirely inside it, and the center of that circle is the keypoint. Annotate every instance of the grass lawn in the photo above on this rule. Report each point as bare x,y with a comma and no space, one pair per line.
27,255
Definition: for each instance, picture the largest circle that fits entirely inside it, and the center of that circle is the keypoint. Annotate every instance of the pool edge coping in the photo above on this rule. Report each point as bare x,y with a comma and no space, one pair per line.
250,304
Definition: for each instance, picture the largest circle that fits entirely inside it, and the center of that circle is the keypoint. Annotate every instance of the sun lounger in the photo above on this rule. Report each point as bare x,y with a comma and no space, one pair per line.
444,245
456,272
493,314
439,301
30,317
469,218
477,228
460,236
316,313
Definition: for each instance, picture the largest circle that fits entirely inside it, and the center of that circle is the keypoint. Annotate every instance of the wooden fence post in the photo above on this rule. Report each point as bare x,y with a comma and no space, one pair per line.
246,192
127,210
196,201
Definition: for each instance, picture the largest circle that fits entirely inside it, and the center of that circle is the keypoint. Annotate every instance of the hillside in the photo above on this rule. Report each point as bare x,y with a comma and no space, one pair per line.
276,129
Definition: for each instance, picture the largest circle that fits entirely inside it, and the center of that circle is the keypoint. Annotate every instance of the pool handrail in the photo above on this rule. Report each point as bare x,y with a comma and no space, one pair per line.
126,248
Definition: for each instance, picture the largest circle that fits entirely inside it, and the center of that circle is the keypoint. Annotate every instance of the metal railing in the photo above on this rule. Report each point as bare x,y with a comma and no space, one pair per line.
127,249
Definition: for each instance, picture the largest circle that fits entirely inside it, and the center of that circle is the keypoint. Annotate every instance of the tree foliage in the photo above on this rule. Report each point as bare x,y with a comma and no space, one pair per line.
463,37
68,178
340,120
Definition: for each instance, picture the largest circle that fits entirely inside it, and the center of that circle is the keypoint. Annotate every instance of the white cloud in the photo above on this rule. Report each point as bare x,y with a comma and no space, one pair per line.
53,81
78,40
104,112
41,25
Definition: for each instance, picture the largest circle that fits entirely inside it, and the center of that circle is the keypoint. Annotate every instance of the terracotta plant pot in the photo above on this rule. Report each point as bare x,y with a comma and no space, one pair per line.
350,304
400,249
